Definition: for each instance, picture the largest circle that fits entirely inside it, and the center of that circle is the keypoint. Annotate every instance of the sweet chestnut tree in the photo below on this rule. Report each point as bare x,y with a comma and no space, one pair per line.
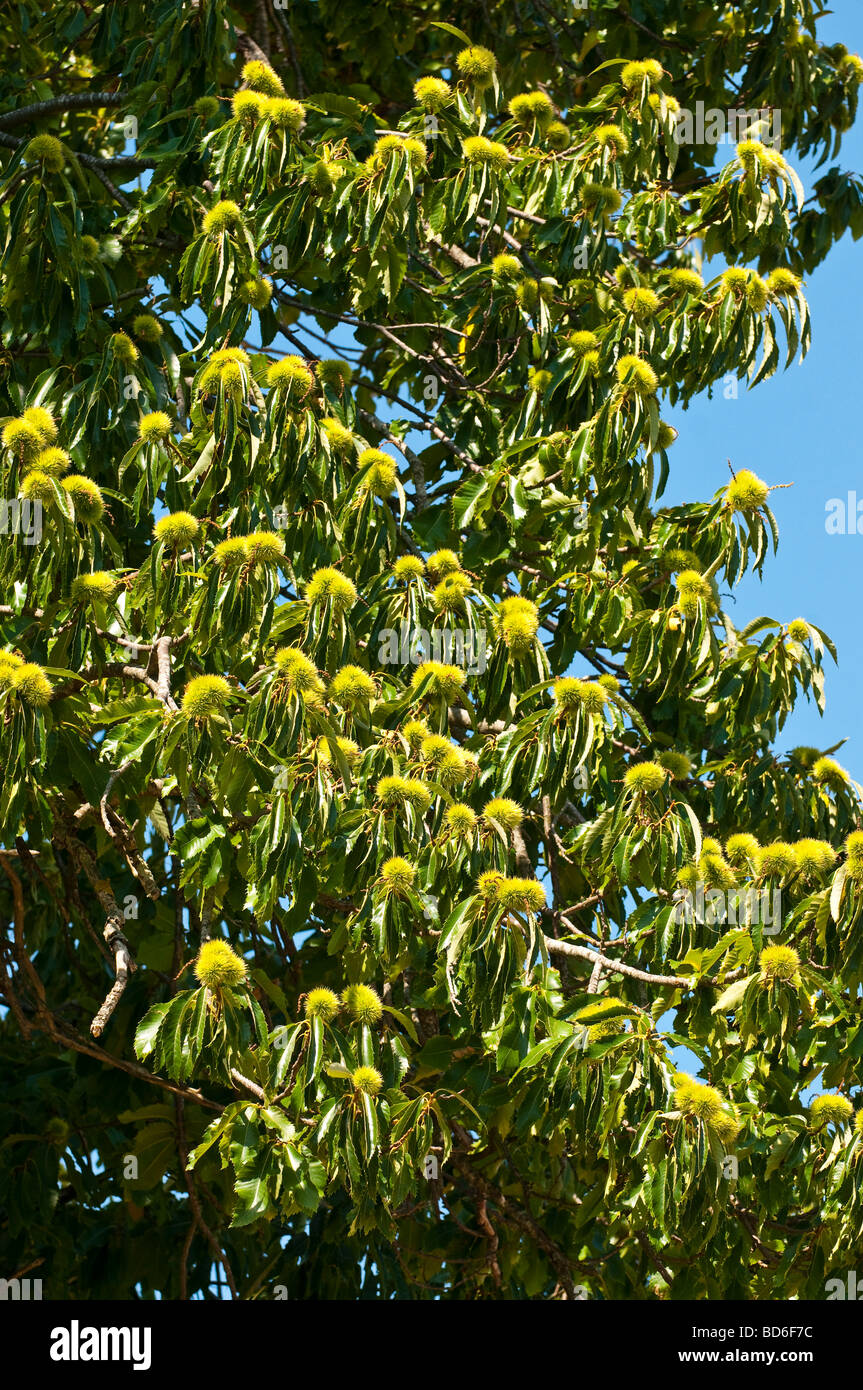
406,890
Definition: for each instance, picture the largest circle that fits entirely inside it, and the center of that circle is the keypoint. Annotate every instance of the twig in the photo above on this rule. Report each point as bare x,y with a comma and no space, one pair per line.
522,858
282,20
429,422
194,1203
657,38
124,840
123,964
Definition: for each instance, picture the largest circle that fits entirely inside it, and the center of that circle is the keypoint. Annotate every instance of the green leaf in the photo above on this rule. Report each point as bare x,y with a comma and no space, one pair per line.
148,1029
451,29
731,997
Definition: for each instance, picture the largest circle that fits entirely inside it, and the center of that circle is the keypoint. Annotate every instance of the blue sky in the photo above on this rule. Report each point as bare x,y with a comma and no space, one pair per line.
802,426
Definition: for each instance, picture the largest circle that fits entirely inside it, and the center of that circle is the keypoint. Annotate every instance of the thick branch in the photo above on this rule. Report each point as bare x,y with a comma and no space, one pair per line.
133,163
74,101
565,948
252,1086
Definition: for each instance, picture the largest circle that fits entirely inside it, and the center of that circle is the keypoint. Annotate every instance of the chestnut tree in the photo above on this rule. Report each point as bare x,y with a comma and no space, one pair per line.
388,794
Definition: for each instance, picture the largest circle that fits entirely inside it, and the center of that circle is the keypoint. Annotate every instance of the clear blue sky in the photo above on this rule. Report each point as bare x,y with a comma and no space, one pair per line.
802,426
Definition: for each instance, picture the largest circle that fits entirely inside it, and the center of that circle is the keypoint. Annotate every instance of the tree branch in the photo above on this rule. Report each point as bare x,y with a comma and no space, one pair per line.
566,948
115,939
74,101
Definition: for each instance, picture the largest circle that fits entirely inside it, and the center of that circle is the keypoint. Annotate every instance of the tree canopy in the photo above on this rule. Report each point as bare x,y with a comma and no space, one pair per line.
388,794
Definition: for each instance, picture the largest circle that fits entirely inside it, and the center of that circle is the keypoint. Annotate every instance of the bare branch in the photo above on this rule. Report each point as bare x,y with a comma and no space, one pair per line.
74,101
454,253
565,948
249,1085
123,965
